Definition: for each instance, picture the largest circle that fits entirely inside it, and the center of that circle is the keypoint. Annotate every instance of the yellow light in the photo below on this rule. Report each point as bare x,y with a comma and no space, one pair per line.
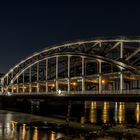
93,112
105,114
24,87
35,135
94,81
24,131
103,81
13,124
137,112
53,136
53,85
74,83
121,113
82,120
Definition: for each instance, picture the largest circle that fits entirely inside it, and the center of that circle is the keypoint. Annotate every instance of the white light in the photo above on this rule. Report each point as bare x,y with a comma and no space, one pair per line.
9,94
59,91
59,136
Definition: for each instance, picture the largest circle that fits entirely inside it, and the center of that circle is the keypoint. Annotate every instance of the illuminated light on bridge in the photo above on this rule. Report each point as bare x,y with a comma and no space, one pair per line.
94,66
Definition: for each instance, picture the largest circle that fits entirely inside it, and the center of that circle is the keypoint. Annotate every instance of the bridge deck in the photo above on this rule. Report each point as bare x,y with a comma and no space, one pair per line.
76,97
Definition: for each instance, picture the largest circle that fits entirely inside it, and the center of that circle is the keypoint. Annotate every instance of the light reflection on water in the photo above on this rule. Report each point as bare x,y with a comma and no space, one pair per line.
111,113
9,129
137,112
24,132
94,113
121,113
52,135
105,113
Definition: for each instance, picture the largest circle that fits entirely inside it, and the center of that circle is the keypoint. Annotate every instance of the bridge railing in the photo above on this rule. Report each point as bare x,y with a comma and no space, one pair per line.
135,91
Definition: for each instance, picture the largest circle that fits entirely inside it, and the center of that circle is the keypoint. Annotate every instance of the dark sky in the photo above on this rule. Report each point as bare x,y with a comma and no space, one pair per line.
27,27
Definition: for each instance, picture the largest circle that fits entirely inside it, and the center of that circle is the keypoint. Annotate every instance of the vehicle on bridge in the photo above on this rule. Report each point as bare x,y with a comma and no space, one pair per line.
93,66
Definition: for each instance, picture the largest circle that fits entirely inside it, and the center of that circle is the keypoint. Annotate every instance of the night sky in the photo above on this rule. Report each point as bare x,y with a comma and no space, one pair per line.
27,27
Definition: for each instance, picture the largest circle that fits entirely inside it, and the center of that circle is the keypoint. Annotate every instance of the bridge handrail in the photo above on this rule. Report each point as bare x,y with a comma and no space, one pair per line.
134,91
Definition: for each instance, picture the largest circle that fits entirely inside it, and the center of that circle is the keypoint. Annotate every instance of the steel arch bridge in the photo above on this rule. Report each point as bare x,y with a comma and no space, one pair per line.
93,66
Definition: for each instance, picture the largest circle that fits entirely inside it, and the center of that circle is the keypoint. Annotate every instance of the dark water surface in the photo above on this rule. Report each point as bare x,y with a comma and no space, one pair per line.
18,126
91,120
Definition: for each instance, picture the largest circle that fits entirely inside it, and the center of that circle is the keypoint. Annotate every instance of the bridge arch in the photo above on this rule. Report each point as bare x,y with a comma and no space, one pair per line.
95,66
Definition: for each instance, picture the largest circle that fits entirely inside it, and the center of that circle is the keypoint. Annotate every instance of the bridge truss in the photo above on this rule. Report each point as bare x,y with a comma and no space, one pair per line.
94,66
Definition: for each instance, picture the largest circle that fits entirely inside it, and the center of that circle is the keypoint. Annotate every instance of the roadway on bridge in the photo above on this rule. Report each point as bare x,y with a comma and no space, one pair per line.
76,97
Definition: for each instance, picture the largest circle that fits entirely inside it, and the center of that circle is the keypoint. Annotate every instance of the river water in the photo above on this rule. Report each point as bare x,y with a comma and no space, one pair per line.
92,120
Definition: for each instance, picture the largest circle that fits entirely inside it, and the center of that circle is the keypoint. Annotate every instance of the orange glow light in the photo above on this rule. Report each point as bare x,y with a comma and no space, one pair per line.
74,83
103,81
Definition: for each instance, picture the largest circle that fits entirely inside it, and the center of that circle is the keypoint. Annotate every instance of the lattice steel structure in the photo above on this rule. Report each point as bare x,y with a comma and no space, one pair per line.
94,66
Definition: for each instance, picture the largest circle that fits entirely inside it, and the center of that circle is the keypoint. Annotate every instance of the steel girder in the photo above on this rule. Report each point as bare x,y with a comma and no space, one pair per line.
119,52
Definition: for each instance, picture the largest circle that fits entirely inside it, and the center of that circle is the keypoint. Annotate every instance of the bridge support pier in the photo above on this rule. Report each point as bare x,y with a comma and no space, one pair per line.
100,77
121,70
30,88
12,89
57,86
69,74
68,113
83,85
23,81
35,105
47,75
17,86
83,74
68,85
121,82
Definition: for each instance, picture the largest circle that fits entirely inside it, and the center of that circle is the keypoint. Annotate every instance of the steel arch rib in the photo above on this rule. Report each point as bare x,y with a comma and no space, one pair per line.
71,44
117,63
